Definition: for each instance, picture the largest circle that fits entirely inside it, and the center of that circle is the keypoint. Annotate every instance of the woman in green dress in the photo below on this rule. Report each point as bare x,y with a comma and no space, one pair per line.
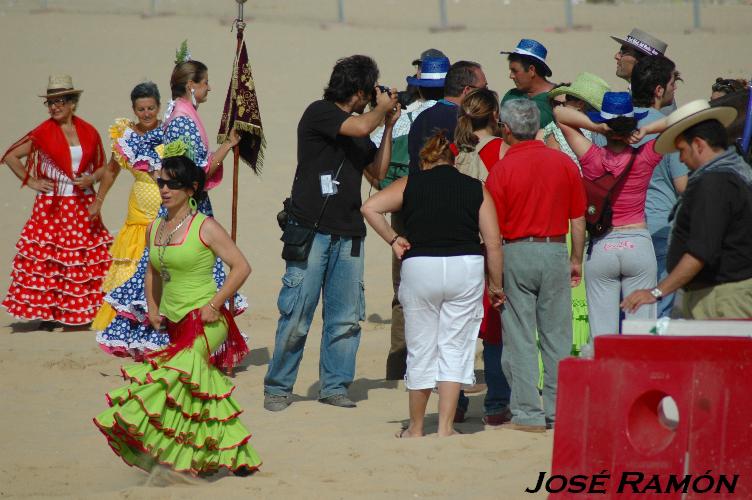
177,410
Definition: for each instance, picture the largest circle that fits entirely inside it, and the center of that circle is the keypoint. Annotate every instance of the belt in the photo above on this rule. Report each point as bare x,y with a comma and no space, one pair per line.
535,239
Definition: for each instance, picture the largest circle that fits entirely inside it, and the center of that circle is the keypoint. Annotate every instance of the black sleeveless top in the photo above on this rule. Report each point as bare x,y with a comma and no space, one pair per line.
440,208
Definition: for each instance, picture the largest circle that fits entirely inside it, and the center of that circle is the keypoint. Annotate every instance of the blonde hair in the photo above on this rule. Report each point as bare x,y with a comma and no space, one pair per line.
436,151
476,113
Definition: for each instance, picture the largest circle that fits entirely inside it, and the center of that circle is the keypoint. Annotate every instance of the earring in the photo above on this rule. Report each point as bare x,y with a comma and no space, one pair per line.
193,96
193,204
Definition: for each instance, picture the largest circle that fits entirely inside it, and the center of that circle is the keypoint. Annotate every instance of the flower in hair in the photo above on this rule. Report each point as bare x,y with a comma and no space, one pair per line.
179,147
182,54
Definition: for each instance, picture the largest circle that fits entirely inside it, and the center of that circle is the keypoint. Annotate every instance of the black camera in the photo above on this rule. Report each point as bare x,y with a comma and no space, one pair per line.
405,98
383,90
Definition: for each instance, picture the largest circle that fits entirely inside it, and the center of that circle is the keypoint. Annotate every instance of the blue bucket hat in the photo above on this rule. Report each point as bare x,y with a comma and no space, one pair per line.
534,49
433,71
616,104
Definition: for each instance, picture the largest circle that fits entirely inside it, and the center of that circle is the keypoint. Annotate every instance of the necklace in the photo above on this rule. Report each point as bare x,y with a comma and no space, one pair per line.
163,272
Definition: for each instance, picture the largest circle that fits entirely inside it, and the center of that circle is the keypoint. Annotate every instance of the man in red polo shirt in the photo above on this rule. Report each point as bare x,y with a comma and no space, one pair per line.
538,194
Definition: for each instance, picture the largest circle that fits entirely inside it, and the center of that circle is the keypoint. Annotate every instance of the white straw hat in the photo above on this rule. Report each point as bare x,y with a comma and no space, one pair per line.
689,115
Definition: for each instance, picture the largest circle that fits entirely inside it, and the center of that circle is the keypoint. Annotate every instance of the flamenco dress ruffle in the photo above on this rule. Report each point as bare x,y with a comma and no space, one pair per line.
178,411
580,320
129,333
139,155
61,261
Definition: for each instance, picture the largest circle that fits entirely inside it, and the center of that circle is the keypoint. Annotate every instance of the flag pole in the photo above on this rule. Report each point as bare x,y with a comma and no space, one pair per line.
240,25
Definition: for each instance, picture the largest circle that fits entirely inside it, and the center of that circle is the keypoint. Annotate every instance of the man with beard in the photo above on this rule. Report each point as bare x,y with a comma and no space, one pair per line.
333,151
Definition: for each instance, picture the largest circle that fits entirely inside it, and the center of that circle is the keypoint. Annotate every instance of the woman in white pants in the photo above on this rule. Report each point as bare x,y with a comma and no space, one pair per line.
442,281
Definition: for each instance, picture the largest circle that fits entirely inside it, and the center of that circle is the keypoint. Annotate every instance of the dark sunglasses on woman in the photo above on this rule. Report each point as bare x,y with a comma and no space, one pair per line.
170,183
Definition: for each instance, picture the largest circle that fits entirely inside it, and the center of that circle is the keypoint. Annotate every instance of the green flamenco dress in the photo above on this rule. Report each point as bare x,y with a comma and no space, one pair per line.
580,322
178,410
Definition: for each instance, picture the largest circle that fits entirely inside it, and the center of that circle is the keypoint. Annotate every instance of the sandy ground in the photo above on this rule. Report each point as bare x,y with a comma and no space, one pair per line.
53,383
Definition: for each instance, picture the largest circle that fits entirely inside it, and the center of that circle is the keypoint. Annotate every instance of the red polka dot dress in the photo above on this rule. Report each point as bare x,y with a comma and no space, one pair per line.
62,255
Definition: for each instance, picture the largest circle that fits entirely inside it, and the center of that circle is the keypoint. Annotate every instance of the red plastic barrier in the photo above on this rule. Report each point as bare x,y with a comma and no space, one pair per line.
607,417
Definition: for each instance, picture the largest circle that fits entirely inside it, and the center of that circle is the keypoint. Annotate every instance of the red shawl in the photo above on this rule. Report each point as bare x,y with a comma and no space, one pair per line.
48,138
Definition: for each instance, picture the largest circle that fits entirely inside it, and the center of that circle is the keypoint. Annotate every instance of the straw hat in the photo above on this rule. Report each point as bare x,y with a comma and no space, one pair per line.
587,87
60,85
688,116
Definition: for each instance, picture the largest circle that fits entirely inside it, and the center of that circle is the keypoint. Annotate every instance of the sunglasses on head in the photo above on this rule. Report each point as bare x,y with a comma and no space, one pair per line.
727,86
173,184
58,101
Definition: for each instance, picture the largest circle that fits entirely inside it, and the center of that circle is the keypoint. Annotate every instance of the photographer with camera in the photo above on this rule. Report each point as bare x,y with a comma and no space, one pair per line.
324,230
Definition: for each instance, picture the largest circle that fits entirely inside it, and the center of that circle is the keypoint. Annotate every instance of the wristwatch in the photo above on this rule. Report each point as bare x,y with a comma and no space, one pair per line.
656,292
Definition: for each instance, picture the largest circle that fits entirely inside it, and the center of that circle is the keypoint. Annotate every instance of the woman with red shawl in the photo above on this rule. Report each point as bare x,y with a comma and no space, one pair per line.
62,252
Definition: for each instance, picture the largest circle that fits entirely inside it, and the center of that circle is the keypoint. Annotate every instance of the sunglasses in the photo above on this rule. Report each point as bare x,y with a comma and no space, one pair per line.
173,184
59,101
727,86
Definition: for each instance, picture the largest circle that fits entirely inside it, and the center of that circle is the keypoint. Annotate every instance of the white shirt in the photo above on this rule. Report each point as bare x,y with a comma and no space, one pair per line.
64,185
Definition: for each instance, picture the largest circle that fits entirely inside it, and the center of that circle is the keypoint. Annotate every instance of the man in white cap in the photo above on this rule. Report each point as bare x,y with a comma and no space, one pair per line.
710,254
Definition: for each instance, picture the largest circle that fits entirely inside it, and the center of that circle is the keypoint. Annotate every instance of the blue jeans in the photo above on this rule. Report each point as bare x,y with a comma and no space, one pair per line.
498,392
330,270
660,244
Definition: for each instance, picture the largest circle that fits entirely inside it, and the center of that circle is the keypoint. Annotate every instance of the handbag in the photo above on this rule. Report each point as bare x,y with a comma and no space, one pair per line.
599,193
297,241
296,237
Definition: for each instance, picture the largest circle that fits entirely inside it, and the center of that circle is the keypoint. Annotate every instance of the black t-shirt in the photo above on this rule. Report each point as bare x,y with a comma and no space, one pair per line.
440,116
321,149
441,207
713,223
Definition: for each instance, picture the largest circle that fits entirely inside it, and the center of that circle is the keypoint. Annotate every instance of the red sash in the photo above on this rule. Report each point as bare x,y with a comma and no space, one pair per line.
184,333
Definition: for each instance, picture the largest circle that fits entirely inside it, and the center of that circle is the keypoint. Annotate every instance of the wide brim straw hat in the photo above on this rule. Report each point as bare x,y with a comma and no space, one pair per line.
688,116
586,87
60,85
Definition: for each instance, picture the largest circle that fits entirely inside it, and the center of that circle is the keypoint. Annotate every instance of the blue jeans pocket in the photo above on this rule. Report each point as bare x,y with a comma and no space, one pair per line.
288,296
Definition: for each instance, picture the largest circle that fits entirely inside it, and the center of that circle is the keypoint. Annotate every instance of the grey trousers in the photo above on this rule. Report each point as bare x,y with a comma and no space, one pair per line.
396,360
620,263
536,281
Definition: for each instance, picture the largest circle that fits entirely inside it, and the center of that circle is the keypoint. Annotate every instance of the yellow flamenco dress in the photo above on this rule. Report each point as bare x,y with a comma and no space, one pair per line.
139,154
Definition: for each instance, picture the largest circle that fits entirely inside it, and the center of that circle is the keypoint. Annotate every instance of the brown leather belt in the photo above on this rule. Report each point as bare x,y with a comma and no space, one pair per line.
535,239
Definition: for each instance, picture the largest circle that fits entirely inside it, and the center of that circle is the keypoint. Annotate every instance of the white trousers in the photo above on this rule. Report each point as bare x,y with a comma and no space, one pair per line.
442,300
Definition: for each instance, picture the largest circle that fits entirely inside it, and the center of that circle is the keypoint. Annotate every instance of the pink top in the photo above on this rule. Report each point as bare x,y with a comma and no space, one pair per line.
629,199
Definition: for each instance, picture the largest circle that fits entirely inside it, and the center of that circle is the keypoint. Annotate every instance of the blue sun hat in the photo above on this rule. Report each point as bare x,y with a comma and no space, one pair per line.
534,49
616,104
433,71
